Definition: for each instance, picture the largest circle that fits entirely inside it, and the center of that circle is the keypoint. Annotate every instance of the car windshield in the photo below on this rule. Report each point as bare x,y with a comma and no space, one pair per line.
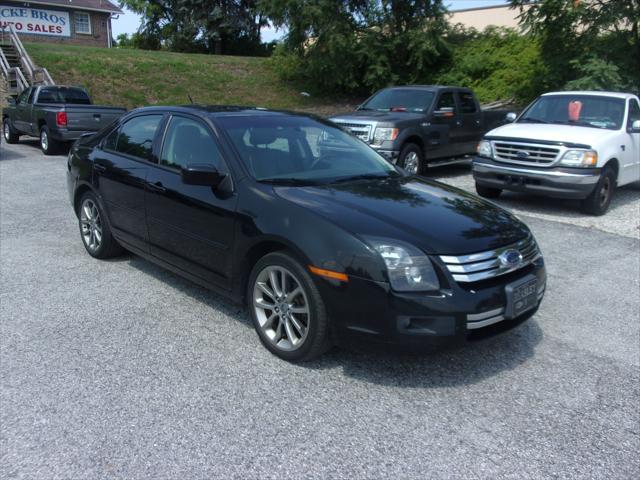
583,110
400,100
296,150
59,95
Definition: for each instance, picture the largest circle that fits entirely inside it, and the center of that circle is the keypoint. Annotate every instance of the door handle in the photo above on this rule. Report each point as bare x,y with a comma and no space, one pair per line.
157,187
99,167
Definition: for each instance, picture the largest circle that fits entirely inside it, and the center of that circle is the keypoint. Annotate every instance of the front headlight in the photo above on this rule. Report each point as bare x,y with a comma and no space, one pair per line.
579,158
408,268
484,149
383,134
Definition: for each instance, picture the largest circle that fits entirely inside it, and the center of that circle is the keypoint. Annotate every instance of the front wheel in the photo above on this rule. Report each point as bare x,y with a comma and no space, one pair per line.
10,135
411,159
287,310
597,203
48,145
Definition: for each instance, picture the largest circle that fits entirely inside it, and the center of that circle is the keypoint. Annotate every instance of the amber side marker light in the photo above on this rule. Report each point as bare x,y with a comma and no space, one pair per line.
343,277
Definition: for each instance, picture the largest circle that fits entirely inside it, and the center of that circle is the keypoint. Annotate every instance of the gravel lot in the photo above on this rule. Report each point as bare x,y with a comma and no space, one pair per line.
120,369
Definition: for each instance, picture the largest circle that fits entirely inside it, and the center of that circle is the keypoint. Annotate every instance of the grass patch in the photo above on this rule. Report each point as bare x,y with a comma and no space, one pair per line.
135,78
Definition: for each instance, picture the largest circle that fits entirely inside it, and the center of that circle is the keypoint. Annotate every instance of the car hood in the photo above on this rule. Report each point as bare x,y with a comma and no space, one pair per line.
437,218
368,115
566,134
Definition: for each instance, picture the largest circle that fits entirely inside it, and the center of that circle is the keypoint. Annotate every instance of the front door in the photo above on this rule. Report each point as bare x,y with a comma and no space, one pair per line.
471,123
444,136
120,170
190,226
22,121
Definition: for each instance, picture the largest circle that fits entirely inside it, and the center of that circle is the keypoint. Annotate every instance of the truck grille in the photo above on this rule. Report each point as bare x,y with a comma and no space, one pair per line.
484,265
360,130
525,153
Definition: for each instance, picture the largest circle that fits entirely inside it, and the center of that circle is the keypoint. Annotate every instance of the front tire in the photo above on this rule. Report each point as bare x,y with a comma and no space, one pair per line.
597,203
286,308
94,229
488,192
48,145
10,135
411,159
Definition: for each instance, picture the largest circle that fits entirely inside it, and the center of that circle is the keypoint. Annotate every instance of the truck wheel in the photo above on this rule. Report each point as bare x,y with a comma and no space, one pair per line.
488,192
48,145
411,159
10,135
597,203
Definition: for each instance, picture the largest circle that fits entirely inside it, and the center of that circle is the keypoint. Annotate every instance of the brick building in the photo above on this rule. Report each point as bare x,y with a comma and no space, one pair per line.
78,22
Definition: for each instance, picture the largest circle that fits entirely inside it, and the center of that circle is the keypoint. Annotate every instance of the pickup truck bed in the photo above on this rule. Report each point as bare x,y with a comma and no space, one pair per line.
56,115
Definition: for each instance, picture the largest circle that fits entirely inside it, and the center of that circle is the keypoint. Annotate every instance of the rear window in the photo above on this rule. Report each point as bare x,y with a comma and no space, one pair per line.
59,96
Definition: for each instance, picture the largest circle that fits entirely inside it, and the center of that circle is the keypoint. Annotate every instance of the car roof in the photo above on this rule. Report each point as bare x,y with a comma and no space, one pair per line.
218,111
593,93
429,87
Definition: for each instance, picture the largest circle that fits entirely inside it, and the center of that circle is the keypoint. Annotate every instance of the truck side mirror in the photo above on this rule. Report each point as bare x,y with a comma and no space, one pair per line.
511,117
445,112
635,127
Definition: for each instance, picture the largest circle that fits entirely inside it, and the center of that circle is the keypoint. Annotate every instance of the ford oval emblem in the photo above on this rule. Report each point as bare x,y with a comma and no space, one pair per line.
522,154
510,258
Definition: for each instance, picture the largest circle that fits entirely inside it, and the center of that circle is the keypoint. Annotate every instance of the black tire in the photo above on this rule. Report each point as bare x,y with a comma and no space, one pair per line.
48,145
411,159
108,246
317,340
597,203
488,192
10,135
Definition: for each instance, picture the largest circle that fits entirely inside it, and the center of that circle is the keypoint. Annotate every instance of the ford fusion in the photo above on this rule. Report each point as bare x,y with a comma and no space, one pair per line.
325,241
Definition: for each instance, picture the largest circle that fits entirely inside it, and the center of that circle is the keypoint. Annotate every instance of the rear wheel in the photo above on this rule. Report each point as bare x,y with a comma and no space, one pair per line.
48,145
287,310
94,229
10,135
598,202
411,159
488,192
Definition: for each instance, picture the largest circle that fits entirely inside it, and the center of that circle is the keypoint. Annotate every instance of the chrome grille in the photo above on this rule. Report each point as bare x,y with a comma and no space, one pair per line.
525,153
481,266
360,130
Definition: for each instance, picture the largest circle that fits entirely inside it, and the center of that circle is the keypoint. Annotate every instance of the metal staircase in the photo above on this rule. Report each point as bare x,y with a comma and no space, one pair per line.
16,67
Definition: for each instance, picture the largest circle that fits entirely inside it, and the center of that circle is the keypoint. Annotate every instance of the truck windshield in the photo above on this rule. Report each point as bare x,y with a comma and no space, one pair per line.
400,100
583,110
297,150
61,95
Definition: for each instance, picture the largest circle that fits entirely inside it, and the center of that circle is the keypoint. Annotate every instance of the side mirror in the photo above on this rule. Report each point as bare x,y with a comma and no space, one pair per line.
635,127
511,117
446,112
201,174
11,100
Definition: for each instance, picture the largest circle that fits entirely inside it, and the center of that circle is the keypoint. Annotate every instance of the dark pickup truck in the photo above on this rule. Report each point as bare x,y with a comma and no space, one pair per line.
55,114
421,125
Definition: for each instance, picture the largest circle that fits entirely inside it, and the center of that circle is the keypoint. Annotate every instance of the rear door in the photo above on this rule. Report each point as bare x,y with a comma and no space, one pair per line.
470,122
190,226
120,168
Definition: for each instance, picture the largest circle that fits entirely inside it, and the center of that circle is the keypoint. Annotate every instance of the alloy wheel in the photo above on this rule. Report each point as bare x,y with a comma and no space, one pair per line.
412,163
44,140
91,225
281,308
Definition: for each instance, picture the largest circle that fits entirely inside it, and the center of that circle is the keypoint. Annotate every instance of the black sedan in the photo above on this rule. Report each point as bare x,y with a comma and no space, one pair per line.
325,241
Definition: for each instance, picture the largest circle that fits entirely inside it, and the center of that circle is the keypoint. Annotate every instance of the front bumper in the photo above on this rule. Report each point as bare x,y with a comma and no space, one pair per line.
364,312
560,182
391,155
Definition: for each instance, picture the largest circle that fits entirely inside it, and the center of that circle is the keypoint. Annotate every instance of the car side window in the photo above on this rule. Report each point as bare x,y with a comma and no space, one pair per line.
634,112
188,141
468,103
22,98
31,96
446,101
136,136
111,140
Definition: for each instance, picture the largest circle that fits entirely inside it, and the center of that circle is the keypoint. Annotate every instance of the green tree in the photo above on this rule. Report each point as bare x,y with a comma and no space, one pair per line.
578,37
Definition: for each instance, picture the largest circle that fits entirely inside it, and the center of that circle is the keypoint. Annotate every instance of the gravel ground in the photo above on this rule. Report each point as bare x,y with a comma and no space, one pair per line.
120,369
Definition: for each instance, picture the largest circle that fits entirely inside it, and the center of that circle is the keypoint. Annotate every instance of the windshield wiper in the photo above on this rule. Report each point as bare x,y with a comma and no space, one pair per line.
366,176
294,182
532,120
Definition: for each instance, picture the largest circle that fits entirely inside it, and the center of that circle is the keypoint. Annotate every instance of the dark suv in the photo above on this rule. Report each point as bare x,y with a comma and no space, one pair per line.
325,240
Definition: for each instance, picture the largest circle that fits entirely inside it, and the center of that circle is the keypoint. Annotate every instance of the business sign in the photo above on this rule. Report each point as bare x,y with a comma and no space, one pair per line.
35,21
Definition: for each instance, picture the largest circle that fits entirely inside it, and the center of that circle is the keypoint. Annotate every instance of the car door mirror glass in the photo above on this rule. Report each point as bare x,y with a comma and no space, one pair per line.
511,117
201,174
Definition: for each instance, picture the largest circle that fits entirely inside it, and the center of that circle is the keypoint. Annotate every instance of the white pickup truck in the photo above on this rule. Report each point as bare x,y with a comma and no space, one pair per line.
577,145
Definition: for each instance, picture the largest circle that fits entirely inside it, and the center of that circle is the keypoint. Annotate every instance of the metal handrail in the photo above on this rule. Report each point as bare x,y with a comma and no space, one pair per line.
21,82
25,61
4,64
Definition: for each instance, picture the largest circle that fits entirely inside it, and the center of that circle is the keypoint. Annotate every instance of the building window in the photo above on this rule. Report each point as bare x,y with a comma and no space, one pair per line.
82,23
